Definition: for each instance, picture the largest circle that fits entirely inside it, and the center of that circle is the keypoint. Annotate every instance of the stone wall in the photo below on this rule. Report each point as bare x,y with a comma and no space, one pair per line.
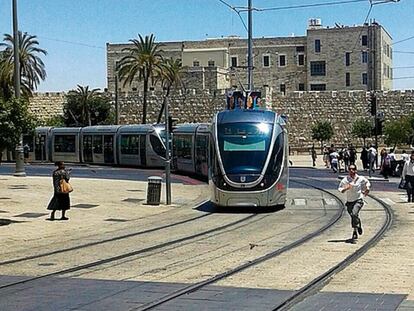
303,109
47,105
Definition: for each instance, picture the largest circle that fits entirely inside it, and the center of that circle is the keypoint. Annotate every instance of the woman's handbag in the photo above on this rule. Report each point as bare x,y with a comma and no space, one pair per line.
65,187
403,184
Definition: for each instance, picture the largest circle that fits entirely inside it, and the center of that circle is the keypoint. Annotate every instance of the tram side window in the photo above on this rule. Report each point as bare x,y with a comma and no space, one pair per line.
97,144
157,145
129,144
201,148
65,143
183,145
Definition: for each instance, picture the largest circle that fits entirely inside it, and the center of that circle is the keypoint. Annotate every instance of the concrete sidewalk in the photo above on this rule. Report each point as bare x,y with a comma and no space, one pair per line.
95,203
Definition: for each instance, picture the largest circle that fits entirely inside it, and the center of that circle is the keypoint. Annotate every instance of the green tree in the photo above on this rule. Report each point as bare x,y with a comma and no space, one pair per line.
15,120
397,132
322,131
32,68
170,74
87,107
142,62
362,128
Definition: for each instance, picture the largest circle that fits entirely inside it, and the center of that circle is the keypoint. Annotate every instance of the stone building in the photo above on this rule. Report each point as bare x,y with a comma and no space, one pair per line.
327,58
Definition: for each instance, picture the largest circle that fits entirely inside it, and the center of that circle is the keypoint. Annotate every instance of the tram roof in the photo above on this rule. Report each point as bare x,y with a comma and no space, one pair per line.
192,127
66,129
101,129
138,128
246,115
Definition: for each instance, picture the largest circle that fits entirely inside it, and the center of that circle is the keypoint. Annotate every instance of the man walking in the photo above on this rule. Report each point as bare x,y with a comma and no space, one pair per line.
355,187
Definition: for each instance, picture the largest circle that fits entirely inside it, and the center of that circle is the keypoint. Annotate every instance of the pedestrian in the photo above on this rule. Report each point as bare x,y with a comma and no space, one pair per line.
404,156
334,160
26,150
385,164
364,158
408,176
326,156
346,156
355,187
372,155
60,200
313,155
352,154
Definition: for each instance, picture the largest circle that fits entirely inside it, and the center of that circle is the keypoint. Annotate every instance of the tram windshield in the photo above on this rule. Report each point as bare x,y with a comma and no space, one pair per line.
244,146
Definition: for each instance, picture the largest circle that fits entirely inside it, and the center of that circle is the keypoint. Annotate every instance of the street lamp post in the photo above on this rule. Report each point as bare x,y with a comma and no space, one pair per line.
19,148
167,155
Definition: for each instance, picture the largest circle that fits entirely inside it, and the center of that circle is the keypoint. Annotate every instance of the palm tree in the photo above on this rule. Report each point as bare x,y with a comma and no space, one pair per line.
32,68
85,98
142,60
169,73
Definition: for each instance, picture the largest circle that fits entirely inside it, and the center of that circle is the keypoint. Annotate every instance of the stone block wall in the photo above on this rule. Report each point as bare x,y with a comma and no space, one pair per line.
47,105
303,109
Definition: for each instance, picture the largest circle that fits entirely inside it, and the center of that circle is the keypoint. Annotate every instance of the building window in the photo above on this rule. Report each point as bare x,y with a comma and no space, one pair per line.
301,59
364,40
283,89
318,68
282,60
364,57
364,78
234,61
196,63
347,59
301,87
211,63
300,49
266,61
347,79
318,87
317,46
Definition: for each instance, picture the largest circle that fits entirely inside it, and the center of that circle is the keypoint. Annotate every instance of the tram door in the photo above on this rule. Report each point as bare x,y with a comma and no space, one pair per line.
40,148
108,149
87,149
142,150
201,155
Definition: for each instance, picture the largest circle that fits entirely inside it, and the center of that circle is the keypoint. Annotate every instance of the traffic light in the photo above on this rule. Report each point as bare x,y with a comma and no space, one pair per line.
373,103
171,125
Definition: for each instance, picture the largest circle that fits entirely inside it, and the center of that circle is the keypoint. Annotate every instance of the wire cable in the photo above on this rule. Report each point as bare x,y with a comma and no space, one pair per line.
406,39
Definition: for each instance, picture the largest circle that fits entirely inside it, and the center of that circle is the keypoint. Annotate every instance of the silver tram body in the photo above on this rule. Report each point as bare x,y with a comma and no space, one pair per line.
98,144
65,144
249,158
190,148
141,145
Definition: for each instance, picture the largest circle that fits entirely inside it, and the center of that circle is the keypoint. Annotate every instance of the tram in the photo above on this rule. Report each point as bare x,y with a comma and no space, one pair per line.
190,148
249,158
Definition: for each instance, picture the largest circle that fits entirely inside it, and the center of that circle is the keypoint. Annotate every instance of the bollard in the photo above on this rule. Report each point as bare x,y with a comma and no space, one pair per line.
154,190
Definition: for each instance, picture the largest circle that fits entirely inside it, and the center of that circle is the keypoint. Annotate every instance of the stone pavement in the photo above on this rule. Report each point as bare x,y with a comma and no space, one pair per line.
386,269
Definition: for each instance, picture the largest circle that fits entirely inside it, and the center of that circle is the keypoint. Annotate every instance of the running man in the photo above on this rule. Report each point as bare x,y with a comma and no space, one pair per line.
355,187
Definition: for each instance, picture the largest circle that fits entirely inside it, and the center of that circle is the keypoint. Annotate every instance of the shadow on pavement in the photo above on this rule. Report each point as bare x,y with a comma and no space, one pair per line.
210,207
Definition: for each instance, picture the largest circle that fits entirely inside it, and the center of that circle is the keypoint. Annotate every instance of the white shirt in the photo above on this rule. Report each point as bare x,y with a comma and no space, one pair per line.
334,157
405,157
408,169
359,184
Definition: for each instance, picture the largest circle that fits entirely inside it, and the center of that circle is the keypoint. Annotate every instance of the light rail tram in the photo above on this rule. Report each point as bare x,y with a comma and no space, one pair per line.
249,158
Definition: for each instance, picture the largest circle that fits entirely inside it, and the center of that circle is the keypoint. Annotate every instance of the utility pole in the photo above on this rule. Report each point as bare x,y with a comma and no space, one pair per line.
19,148
249,47
116,99
167,154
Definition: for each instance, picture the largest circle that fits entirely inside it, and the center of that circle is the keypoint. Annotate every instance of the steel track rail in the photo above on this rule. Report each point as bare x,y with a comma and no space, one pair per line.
129,235
316,284
130,254
201,284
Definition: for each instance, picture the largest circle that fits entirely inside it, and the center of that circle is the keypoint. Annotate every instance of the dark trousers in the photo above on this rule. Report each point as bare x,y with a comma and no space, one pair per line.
410,187
353,209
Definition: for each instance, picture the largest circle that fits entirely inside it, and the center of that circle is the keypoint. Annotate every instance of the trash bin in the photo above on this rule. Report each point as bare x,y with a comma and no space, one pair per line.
154,190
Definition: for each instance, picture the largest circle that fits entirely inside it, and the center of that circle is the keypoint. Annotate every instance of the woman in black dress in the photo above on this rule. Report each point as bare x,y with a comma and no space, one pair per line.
60,201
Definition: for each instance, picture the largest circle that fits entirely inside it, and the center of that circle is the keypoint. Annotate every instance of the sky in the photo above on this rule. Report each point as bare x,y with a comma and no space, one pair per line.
75,32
